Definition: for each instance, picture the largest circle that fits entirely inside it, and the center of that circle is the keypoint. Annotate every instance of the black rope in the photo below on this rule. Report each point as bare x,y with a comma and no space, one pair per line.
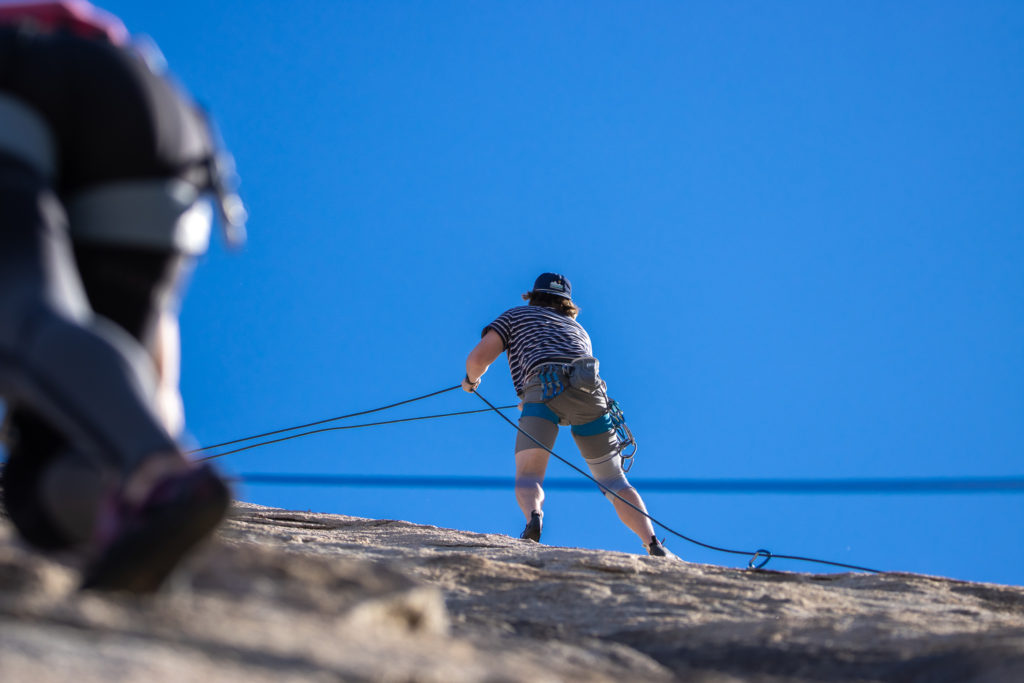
333,429
760,554
324,422
1009,485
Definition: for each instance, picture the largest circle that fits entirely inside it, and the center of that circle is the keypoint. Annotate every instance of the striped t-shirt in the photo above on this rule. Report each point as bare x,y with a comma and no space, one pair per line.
534,335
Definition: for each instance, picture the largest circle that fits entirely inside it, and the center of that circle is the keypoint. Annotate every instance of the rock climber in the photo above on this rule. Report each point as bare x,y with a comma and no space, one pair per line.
106,166
556,378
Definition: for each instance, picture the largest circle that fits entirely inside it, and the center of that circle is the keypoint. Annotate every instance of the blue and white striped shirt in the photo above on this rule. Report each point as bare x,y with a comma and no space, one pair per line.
534,335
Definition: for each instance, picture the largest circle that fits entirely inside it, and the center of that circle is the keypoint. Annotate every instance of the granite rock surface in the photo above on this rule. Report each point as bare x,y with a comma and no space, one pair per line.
293,596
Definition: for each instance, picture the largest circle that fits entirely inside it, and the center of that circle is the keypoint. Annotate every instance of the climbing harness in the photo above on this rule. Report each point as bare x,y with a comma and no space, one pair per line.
582,374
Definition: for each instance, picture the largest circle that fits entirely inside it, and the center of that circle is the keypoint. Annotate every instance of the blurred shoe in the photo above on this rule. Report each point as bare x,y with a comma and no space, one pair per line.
657,549
141,545
532,530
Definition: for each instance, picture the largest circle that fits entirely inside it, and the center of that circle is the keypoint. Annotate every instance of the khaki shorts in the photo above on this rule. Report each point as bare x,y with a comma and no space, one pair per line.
573,406
540,420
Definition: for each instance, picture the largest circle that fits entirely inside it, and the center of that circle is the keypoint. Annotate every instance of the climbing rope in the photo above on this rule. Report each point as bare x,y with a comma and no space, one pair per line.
758,558
320,422
330,429
1002,485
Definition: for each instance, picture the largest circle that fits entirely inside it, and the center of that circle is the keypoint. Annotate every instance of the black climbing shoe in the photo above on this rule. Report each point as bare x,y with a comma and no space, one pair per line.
140,545
532,530
657,549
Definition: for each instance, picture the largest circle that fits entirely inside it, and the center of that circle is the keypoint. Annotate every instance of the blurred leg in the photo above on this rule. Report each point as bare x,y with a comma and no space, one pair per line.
140,290
166,350
53,490
85,374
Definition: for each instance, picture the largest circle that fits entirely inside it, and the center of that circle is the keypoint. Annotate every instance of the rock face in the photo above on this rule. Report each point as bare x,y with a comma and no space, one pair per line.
290,596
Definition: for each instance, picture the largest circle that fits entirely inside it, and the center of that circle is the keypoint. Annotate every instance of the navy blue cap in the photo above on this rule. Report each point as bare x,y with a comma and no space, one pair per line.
553,283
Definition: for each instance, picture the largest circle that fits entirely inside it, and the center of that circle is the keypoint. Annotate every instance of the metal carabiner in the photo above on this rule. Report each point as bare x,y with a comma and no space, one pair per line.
766,554
625,438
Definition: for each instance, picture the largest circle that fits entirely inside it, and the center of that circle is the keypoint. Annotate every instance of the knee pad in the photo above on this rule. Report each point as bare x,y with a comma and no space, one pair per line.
601,452
608,471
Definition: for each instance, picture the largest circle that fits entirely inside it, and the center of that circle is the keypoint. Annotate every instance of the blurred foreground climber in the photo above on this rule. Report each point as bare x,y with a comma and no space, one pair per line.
105,167
556,378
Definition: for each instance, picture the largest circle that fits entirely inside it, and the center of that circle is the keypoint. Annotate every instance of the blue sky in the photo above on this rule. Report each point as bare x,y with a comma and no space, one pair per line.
795,229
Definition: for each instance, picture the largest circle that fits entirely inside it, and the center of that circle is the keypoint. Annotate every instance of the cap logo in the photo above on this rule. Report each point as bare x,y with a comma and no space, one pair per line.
556,285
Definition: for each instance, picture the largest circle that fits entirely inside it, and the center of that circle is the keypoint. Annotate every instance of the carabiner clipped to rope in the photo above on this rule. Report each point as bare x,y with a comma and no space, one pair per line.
766,554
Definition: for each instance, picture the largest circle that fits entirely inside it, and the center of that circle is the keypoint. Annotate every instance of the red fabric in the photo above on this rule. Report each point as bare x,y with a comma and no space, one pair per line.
78,16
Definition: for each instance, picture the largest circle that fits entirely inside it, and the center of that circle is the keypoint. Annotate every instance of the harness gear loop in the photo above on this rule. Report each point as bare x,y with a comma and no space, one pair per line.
623,434
551,383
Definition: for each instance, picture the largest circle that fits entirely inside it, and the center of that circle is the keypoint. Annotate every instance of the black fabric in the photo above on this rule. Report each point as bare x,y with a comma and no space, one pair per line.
126,286
112,119
129,286
33,447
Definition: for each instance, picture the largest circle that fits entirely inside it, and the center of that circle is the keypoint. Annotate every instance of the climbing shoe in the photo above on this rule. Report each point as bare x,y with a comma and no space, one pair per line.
140,545
657,549
532,530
